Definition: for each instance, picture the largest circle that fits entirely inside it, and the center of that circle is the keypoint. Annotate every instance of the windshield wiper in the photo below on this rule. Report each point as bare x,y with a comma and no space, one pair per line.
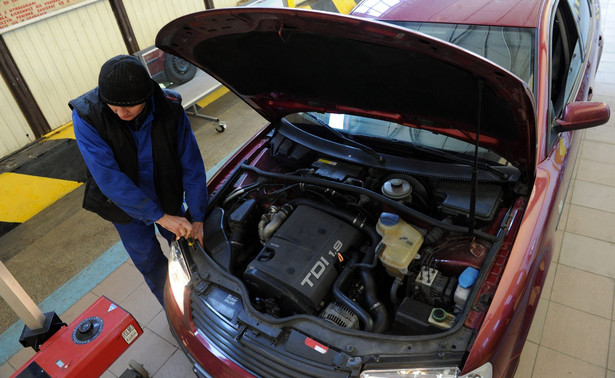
348,141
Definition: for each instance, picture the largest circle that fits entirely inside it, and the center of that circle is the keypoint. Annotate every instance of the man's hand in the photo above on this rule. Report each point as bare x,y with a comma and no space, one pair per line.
197,232
177,225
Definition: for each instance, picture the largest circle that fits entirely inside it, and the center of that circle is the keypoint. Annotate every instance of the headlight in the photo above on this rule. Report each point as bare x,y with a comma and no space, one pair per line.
178,275
485,371
446,372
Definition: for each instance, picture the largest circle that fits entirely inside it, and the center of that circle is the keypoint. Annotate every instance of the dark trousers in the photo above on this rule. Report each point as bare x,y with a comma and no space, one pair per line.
144,249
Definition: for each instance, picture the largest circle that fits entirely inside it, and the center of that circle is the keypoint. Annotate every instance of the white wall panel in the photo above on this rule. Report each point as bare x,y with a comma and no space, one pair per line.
226,3
147,17
60,57
14,129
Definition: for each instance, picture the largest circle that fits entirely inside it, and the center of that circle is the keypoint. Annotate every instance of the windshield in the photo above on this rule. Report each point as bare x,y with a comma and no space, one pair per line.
508,47
353,126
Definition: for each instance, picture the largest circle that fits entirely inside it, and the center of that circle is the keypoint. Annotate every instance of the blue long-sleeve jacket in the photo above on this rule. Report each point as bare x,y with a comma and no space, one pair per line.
141,202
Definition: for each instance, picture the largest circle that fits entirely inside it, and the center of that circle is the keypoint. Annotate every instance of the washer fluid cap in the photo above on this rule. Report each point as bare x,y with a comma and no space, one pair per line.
467,277
389,219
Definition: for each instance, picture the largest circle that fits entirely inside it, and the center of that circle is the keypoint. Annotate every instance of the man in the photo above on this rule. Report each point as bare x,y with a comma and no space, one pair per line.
143,159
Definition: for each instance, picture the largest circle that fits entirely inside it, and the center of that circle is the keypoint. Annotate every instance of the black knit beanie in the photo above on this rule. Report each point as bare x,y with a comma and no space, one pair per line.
124,81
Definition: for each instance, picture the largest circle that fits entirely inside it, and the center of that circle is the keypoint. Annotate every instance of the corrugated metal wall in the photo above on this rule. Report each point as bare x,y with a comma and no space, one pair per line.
148,16
60,57
14,130
226,3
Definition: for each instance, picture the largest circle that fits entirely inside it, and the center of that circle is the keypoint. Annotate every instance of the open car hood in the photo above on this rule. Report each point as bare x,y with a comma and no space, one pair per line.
281,61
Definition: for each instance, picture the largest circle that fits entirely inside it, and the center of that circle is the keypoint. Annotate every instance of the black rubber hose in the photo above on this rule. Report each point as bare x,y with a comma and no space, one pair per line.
377,309
393,291
402,209
364,317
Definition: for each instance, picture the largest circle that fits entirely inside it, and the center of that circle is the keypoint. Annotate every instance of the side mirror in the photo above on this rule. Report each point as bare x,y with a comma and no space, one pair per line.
581,115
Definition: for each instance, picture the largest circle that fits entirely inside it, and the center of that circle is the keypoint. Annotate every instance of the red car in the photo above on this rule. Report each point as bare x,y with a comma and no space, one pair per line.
397,215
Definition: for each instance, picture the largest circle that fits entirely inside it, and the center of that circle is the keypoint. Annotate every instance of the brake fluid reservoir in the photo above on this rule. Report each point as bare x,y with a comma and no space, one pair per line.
401,243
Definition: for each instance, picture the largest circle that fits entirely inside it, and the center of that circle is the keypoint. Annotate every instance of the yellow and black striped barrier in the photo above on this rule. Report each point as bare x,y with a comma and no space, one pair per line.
38,175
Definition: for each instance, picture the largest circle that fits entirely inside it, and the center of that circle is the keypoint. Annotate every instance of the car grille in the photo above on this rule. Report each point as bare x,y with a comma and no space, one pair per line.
255,353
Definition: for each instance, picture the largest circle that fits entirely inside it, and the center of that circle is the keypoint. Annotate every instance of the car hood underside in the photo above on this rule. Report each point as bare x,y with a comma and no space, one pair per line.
281,61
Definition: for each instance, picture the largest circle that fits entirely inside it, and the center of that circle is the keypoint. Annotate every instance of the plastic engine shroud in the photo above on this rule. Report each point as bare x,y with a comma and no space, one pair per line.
297,266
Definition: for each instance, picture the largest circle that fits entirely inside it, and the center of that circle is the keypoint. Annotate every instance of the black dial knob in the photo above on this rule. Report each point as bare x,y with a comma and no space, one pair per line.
87,330
85,327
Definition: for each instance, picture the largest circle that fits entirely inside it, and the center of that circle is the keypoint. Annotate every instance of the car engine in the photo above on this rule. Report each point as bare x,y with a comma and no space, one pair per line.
297,265
367,249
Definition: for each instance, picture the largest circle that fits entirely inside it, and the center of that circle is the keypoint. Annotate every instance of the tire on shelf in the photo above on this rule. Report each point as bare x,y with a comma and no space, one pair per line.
178,71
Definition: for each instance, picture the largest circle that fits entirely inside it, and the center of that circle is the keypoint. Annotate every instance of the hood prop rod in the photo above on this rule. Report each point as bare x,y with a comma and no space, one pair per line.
475,165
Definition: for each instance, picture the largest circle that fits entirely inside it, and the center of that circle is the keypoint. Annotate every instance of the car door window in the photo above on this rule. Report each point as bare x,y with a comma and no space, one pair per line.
581,11
566,61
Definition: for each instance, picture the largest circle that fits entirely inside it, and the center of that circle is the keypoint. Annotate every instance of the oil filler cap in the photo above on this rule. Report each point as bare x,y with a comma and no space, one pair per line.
87,330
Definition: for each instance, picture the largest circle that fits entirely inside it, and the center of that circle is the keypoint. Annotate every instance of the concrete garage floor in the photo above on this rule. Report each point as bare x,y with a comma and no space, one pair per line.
573,333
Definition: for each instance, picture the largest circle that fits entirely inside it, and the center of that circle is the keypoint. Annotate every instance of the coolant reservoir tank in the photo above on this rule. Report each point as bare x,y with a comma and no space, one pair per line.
401,243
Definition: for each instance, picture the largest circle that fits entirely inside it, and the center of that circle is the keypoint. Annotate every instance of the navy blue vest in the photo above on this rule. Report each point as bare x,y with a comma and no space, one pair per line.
167,169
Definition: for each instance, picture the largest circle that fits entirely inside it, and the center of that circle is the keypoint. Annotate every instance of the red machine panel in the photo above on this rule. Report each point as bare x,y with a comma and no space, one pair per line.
88,346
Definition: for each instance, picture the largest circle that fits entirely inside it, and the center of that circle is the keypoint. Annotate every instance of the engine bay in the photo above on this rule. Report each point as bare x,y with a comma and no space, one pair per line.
377,250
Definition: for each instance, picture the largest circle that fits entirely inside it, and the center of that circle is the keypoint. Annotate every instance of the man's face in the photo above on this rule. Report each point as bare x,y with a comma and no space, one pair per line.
127,113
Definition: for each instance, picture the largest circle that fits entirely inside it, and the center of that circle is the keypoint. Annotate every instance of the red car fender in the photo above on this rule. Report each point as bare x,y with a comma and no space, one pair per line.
508,320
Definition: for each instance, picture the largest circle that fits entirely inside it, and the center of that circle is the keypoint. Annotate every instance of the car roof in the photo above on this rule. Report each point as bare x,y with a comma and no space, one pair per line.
514,13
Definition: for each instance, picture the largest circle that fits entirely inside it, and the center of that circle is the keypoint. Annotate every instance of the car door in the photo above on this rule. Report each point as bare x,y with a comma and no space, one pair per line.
572,29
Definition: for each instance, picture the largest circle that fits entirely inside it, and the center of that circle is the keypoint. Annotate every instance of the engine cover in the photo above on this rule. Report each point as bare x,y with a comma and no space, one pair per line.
297,266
